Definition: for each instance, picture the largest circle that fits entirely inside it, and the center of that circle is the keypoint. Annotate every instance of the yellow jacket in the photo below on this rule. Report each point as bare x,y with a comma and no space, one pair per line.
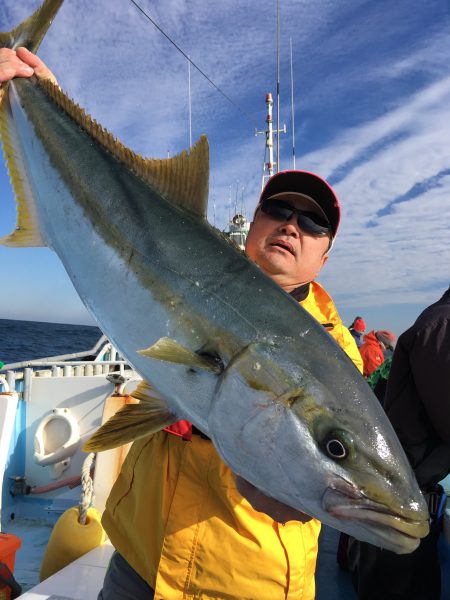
176,516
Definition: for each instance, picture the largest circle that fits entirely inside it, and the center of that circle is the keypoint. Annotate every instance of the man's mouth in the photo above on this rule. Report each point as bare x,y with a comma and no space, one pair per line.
283,245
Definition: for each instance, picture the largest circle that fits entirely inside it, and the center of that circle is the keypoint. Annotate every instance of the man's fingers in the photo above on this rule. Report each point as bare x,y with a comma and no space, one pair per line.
40,69
22,63
11,66
28,57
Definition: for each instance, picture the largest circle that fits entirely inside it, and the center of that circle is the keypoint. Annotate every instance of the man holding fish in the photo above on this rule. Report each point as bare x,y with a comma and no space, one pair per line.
176,514
183,524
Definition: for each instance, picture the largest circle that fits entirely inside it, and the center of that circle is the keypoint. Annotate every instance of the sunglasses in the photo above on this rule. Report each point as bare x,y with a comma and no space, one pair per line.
307,221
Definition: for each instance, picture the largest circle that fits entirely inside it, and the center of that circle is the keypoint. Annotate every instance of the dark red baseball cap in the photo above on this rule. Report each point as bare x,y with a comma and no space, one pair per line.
306,184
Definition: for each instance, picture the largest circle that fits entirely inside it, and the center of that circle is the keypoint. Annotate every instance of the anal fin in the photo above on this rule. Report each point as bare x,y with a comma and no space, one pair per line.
133,421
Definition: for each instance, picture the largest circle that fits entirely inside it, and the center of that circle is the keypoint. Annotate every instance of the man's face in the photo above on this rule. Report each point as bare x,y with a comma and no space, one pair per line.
284,252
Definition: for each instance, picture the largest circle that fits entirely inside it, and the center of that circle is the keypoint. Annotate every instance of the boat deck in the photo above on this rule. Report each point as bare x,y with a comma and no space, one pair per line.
83,579
34,534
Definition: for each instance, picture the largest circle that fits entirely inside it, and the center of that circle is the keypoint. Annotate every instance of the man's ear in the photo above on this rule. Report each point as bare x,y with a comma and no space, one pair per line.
324,260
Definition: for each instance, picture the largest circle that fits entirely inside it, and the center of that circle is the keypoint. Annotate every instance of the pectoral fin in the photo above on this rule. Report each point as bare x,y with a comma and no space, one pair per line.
132,421
169,350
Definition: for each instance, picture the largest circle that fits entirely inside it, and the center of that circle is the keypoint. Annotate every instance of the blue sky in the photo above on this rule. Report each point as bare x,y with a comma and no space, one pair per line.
372,115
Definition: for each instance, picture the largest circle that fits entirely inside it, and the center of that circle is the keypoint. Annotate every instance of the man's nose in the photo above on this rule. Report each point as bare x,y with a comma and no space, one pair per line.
290,227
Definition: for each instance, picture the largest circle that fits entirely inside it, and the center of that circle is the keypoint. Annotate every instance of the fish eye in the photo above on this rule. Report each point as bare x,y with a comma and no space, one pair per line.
336,449
337,445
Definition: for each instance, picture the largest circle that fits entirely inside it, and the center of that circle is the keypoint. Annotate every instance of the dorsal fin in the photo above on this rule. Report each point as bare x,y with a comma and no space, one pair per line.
181,180
27,231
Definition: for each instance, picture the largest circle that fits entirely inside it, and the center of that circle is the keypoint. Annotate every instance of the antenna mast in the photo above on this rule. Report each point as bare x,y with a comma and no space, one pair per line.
268,153
269,163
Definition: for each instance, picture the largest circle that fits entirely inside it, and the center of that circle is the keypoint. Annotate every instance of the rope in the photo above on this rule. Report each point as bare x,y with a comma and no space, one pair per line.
87,488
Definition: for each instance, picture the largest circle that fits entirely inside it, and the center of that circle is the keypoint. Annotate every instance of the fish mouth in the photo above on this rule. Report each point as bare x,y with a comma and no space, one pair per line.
394,530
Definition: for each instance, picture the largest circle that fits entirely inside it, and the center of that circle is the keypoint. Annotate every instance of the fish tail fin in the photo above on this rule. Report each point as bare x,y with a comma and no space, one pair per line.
31,32
132,421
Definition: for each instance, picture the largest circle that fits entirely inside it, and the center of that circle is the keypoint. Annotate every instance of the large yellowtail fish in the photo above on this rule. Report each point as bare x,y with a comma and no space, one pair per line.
223,345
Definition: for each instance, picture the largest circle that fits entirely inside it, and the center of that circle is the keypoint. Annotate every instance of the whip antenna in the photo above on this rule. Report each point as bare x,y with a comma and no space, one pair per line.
292,106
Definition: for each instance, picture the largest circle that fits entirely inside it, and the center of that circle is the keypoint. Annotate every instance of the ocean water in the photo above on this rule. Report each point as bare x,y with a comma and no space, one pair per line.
26,340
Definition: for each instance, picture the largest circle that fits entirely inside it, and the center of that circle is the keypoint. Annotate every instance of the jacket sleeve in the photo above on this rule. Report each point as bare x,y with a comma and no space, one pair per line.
430,366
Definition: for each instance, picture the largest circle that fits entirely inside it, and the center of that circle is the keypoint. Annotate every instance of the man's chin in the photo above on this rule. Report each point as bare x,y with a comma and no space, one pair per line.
279,260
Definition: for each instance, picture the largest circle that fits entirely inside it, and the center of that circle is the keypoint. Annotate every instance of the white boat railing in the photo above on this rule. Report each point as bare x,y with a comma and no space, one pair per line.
103,360
99,350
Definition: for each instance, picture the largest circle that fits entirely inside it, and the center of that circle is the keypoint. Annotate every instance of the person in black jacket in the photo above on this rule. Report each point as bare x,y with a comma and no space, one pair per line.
417,403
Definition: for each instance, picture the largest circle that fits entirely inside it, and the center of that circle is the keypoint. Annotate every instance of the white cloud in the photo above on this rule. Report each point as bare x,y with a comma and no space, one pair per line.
406,254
